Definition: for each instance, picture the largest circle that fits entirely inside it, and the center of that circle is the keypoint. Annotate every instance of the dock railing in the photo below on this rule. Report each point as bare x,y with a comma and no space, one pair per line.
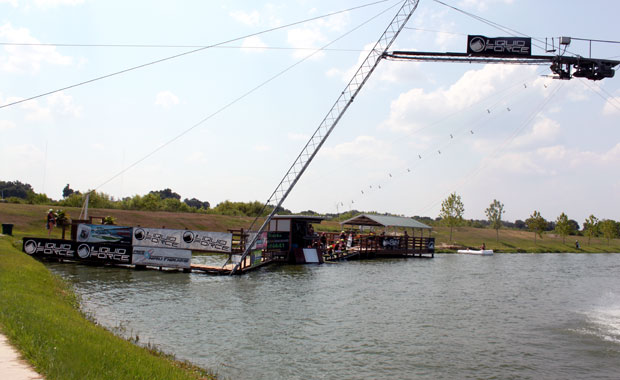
371,245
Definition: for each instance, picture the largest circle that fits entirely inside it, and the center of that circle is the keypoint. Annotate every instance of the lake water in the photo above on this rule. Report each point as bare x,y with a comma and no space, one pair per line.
551,316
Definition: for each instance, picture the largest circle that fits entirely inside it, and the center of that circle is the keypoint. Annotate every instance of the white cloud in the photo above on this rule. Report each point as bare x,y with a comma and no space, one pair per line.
588,159
196,157
56,105
253,44
13,3
553,153
336,23
516,162
366,147
262,148
45,4
36,113
482,5
346,75
166,99
298,137
27,58
612,106
471,88
267,16
303,38
23,156
545,130
313,35
252,18
5,125
553,160
98,147
42,4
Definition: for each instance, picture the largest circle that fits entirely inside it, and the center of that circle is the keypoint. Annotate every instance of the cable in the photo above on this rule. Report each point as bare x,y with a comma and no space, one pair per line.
495,25
465,129
591,40
611,99
502,146
187,53
174,46
244,95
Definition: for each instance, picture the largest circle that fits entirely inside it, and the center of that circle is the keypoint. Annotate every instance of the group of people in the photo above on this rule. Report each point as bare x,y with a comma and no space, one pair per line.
341,243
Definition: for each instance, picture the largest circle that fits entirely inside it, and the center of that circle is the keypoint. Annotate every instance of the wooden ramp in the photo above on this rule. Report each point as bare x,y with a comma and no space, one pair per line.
227,269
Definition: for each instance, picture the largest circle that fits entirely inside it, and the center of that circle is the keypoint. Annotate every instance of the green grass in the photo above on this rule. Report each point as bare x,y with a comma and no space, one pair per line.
521,241
39,313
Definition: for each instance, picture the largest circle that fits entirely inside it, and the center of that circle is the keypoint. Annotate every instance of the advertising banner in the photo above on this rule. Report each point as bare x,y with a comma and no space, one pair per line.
391,242
499,46
261,242
98,233
162,257
182,239
277,241
101,253
53,248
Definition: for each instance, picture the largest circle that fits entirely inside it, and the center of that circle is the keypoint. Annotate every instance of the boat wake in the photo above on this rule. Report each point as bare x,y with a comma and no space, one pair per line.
603,323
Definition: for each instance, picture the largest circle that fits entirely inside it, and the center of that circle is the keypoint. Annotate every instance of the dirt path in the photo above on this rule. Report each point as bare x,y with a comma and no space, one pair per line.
11,366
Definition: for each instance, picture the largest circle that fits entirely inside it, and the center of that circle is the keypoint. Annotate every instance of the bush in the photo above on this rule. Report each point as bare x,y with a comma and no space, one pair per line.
39,199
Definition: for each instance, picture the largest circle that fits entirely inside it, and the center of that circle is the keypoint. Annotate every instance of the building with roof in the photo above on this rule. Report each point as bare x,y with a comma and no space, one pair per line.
386,222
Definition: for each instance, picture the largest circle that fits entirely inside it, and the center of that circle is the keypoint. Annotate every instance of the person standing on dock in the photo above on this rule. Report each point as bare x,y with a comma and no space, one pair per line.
323,240
51,222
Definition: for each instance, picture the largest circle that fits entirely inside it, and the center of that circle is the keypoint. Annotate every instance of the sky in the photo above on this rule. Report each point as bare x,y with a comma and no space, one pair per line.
226,123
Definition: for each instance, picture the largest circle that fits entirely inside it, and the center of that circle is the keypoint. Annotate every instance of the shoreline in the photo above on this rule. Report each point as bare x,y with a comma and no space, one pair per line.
42,320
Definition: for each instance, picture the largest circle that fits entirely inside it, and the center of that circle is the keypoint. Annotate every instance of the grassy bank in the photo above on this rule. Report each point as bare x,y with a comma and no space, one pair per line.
513,241
40,316
29,220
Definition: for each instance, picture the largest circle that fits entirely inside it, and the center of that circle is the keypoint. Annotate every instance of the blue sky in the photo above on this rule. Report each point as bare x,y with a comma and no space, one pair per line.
485,132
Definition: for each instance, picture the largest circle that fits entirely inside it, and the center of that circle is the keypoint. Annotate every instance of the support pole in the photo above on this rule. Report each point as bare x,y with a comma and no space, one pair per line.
330,121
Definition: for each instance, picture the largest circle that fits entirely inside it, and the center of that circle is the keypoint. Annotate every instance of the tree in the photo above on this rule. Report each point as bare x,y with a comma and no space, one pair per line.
609,229
67,191
537,224
197,203
494,214
520,224
591,227
16,189
574,226
452,210
166,193
563,226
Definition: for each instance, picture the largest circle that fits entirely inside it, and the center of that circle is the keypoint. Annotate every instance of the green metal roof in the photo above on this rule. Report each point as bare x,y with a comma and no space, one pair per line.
384,221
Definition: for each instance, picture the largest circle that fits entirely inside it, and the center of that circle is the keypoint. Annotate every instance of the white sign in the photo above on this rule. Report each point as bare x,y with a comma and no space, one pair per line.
161,257
311,255
182,239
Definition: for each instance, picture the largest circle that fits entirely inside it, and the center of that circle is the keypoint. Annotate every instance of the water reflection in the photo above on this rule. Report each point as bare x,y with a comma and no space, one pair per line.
506,316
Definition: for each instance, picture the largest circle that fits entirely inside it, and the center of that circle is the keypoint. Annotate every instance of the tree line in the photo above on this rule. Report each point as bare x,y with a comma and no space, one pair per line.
156,200
452,210
451,214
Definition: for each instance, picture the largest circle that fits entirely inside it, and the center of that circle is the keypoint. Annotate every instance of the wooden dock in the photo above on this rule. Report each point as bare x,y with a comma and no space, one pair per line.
364,247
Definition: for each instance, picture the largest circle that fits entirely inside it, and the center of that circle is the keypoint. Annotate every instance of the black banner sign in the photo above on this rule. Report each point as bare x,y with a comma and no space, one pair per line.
102,253
431,245
499,46
277,241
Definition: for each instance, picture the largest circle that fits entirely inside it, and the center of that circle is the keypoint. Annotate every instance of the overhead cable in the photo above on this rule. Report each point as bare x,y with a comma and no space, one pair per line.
187,53
244,95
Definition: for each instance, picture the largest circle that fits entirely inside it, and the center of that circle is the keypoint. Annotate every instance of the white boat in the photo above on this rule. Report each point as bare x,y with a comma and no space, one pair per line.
482,252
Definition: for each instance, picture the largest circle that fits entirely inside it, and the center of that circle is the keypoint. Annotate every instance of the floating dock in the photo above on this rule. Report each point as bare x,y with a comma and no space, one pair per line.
290,239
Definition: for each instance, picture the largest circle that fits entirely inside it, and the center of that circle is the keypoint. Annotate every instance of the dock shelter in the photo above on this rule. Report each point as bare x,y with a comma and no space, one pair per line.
387,221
